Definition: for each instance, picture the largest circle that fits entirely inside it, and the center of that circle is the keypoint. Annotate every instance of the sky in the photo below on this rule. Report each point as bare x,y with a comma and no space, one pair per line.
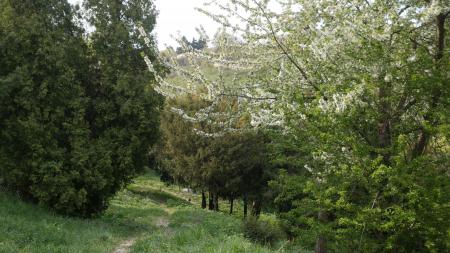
178,16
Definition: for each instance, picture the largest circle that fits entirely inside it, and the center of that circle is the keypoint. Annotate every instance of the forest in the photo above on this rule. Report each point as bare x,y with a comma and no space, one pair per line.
299,126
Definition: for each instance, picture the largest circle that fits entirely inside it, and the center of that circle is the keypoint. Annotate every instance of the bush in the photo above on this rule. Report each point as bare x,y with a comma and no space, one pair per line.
264,231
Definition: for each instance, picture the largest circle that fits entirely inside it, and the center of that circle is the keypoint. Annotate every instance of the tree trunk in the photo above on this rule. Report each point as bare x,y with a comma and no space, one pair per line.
321,243
203,199
211,201
245,205
216,202
231,205
384,123
256,207
384,138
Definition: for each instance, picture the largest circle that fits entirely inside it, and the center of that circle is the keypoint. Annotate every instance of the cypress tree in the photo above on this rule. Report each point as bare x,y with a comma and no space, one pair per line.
77,117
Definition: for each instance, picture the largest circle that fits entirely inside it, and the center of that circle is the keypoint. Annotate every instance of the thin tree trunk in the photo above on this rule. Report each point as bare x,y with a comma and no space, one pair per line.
245,205
321,243
424,136
216,202
258,210
256,207
203,199
231,205
384,124
211,201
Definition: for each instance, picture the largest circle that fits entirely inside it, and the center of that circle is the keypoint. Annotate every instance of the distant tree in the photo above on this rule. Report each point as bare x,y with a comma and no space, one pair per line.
181,155
231,166
239,167
195,44
198,44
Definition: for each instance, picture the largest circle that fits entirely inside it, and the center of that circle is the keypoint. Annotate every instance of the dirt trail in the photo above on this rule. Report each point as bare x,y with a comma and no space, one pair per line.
162,222
125,246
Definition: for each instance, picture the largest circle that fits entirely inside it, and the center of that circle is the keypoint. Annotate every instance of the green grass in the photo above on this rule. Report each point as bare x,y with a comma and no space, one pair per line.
142,186
27,228
193,230
159,218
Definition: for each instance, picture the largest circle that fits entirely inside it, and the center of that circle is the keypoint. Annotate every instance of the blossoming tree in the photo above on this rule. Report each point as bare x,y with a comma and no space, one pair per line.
361,88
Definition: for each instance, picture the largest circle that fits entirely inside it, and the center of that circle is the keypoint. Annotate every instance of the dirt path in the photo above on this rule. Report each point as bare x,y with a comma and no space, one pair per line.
125,246
162,222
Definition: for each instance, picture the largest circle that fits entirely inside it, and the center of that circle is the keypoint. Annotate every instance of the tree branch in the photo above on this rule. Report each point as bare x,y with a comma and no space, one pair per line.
285,49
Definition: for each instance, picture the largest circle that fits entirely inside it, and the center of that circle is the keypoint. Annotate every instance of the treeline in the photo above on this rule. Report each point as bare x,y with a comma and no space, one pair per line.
195,44
78,115
232,166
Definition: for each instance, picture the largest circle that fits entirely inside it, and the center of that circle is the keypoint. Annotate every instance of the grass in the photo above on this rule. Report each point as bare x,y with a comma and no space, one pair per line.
193,230
142,186
159,218
27,228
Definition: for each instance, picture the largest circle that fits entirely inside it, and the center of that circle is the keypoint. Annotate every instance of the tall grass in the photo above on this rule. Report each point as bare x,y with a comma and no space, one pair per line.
157,217
27,228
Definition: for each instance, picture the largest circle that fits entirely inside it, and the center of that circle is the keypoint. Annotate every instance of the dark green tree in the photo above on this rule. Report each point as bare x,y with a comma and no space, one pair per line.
181,153
77,118
43,64
195,44
123,111
229,166
238,167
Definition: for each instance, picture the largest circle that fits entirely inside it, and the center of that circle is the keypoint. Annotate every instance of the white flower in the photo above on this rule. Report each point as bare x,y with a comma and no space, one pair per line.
308,168
412,58
388,78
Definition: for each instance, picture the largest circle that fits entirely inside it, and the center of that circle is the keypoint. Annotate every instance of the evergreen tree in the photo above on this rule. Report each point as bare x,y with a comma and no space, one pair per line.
230,166
181,154
195,44
77,118
42,65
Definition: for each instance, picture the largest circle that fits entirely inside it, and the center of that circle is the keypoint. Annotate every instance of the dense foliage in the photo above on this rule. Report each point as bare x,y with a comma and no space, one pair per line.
265,232
359,91
78,115
233,166
338,108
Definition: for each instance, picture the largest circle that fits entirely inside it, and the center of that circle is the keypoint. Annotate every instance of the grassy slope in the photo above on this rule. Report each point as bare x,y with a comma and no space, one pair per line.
158,217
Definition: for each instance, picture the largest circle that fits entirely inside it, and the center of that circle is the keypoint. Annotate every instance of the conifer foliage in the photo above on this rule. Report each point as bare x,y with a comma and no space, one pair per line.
77,116
232,166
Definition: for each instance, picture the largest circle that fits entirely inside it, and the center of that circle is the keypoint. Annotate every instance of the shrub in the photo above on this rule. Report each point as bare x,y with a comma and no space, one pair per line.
264,231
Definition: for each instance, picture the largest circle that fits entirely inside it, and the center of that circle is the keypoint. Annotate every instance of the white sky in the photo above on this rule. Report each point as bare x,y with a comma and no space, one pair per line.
178,16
